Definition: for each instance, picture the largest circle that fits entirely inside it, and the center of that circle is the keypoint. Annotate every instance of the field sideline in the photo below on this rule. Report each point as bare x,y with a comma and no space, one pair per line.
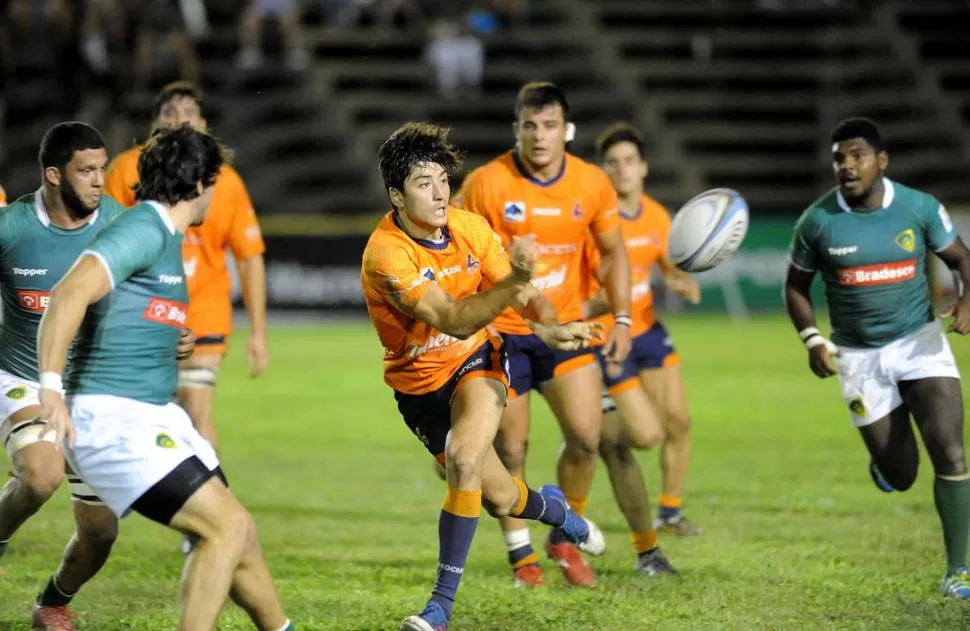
346,502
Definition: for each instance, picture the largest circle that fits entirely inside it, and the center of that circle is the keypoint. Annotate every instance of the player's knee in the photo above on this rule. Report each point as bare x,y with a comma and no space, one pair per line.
464,459
585,447
511,452
99,536
232,528
678,423
951,460
500,502
900,475
42,473
616,450
645,437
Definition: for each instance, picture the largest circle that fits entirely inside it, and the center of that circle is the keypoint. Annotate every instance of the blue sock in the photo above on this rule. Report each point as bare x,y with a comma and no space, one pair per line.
456,529
538,508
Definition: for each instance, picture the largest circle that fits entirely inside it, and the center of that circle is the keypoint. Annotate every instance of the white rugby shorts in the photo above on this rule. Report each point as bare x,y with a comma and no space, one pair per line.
870,376
123,447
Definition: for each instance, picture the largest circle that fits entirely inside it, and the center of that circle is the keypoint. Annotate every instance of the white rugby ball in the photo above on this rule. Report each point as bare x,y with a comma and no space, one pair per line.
707,230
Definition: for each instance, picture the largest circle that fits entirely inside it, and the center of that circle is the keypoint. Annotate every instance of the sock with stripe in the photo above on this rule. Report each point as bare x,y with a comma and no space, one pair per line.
668,507
52,596
532,505
952,495
456,529
287,627
520,548
644,541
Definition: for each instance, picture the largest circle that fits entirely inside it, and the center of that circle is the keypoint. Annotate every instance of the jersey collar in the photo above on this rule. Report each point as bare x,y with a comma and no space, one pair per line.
524,172
41,211
889,193
163,214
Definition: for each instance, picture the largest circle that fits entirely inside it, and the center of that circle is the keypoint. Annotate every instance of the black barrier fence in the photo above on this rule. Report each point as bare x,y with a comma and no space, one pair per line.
320,273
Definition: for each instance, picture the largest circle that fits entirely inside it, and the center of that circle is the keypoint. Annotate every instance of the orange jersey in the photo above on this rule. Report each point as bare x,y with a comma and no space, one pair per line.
3,197
230,224
645,236
561,213
398,270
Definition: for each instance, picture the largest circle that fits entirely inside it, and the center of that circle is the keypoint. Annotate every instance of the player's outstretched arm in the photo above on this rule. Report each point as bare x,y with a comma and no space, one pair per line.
463,318
252,279
957,258
798,303
679,281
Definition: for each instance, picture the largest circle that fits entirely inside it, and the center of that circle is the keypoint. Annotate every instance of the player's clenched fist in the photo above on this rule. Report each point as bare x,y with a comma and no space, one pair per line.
523,254
568,337
961,317
820,361
186,345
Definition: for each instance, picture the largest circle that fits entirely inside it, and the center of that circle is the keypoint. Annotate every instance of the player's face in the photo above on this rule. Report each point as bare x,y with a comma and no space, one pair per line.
182,110
626,168
857,167
541,133
426,194
82,182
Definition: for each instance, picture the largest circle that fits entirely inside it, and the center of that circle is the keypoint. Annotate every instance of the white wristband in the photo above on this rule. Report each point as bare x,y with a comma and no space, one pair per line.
51,381
817,340
808,332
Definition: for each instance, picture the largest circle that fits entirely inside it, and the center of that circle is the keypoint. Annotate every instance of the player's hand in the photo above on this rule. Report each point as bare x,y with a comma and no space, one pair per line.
523,255
186,345
568,337
960,311
821,362
618,345
54,411
257,354
685,287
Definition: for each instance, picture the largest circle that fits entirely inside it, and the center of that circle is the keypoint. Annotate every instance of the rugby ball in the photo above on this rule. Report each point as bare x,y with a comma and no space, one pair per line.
707,230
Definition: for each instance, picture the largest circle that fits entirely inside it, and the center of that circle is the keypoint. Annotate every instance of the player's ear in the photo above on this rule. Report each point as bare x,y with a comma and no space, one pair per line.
397,197
882,159
52,175
644,168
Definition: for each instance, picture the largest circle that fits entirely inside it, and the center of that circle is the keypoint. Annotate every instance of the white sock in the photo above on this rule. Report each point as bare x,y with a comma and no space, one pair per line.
285,627
515,539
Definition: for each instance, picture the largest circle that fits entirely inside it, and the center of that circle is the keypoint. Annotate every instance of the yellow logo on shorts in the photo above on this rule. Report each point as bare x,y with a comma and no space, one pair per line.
857,407
906,240
17,393
165,441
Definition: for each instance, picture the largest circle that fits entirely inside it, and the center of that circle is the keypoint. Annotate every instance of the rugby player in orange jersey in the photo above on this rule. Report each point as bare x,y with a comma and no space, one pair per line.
433,278
537,188
644,401
230,225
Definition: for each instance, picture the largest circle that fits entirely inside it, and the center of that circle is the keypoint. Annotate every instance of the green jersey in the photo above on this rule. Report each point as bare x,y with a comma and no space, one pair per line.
126,345
34,255
873,263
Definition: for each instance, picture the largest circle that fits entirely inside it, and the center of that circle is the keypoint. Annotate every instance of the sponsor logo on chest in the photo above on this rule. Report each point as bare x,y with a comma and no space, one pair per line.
168,312
878,274
170,279
35,301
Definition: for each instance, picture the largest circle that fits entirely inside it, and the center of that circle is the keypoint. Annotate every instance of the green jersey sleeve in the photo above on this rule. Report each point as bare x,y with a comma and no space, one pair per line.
938,227
803,253
133,242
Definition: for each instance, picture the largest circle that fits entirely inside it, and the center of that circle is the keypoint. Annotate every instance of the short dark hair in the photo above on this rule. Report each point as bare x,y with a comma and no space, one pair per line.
617,133
859,128
173,90
413,144
540,94
173,161
61,141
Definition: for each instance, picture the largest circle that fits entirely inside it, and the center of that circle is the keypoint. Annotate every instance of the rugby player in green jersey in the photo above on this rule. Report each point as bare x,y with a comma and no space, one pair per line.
870,238
125,299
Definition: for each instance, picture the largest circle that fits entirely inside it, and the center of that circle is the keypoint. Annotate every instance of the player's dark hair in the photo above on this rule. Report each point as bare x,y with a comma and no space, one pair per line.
59,143
173,161
413,144
617,133
540,94
859,128
176,89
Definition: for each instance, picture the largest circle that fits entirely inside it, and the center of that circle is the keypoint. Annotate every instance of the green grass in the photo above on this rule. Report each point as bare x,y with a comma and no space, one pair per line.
346,501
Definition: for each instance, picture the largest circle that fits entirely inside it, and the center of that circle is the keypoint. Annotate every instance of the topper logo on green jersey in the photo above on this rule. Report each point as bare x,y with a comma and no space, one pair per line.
906,240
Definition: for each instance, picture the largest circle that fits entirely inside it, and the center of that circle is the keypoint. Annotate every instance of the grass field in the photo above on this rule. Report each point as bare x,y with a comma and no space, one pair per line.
346,501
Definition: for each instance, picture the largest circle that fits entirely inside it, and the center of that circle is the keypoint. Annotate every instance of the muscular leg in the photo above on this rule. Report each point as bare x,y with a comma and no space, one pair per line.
666,389
937,407
85,554
512,445
224,557
197,378
892,446
623,468
38,471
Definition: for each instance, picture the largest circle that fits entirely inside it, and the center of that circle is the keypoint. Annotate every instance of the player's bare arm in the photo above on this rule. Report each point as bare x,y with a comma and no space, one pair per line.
679,281
798,303
86,283
957,258
252,278
541,317
615,266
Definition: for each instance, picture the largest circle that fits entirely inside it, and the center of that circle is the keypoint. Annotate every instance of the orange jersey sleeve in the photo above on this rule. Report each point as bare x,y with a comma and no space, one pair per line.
645,236
560,212
396,273
3,197
122,176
